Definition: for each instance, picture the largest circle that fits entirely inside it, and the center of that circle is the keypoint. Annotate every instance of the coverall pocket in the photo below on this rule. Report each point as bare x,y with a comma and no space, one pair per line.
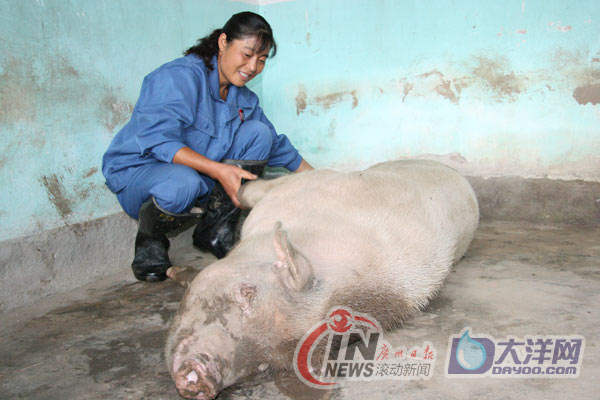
206,126
202,137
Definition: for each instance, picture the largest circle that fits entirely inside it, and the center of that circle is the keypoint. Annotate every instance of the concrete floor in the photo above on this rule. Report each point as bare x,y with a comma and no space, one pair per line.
105,340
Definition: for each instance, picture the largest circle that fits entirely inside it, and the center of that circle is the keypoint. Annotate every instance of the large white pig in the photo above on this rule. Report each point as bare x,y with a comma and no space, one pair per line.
379,241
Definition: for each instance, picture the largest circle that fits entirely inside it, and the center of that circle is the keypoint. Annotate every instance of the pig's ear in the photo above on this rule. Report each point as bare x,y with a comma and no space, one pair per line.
292,268
244,295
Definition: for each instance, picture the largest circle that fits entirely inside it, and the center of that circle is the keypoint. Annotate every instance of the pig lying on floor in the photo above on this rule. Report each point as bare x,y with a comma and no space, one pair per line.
379,241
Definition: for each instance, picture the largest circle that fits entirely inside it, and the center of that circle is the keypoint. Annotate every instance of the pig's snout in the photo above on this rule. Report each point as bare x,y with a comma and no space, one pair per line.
199,380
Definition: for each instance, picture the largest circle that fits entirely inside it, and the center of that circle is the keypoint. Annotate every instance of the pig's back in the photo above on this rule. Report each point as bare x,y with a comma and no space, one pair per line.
390,219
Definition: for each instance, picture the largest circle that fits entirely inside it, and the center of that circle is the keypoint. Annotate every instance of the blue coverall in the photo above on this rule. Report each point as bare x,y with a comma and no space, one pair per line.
179,106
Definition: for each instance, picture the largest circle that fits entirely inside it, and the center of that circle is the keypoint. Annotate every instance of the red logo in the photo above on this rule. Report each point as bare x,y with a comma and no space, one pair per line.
353,348
341,320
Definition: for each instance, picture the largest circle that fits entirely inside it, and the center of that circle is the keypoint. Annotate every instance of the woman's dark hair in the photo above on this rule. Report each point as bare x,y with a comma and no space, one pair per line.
243,25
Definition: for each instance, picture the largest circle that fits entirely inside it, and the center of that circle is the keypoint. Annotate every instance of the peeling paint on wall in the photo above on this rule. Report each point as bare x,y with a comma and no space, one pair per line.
442,86
406,88
17,92
90,172
115,111
496,75
488,78
300,100
28,93
329,99
84,190
587,94
56,194
324,101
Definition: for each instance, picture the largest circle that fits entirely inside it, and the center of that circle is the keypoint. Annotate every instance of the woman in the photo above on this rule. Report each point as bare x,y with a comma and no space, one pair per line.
196,132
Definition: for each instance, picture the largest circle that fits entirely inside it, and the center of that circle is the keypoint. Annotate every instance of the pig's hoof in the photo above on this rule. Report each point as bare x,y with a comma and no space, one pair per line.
193,381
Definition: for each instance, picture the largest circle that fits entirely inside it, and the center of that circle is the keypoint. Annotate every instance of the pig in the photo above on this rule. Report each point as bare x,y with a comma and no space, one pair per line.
380,241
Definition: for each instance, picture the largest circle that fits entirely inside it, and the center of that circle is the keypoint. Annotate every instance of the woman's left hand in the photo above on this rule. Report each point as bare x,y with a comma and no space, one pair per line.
230,176
304,166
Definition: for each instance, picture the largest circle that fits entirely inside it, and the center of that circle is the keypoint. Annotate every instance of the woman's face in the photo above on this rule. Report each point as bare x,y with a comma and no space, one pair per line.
239,60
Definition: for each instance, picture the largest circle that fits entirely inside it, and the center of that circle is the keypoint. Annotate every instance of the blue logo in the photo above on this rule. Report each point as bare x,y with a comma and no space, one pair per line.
469,354
538,356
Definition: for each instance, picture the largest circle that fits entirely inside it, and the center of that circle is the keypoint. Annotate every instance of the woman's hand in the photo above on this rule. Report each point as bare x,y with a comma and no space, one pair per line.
304,166
230,176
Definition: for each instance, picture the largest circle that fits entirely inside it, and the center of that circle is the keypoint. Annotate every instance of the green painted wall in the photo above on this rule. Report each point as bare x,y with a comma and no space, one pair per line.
501,88
70,73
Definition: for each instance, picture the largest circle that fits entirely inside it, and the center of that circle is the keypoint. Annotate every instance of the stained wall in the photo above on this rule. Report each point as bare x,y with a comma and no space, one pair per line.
70,74
495,88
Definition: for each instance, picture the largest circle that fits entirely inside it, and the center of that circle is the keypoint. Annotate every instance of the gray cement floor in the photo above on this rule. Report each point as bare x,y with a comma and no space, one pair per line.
105,341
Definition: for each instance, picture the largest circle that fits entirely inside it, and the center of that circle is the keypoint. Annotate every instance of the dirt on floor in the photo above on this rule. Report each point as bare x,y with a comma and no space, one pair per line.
106,340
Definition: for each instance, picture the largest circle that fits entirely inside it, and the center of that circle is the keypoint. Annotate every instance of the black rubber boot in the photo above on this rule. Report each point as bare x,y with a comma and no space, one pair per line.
151,259
216,231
